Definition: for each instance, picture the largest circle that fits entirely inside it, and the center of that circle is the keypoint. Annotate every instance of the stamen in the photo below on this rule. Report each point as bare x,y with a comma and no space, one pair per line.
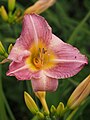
37,62
40,58
39,49
44,51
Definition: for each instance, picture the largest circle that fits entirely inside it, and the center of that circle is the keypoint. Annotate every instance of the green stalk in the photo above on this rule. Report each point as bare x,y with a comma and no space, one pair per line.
72,114
3,115
77,29
4,103
28,86
73,82
8,108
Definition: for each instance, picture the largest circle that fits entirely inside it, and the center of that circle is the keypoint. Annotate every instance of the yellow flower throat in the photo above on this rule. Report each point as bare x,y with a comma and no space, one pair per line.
40,57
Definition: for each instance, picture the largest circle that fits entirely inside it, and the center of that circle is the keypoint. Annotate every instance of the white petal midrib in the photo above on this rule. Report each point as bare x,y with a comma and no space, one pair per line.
35,31
66,61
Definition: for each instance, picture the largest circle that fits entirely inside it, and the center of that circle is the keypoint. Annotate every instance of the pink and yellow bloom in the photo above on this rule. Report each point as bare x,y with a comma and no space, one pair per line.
42,57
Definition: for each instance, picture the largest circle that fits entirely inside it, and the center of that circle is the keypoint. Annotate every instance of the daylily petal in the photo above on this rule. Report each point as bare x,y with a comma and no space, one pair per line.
44,83
69,60
18,52
20,71
65,51
35,28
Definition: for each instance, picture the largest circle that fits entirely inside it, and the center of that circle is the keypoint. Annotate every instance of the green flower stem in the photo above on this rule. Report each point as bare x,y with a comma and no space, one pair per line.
72,114
3,115
28,86
8,108
10,13
4,103
77,29
73,82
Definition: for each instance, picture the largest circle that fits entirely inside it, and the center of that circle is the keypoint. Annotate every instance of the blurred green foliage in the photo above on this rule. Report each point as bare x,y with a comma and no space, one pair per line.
70,20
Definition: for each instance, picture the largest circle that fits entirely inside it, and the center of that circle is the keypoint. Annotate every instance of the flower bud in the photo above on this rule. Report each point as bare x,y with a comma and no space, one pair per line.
10,48
60,109
40,6
4,14
2,50
53,110
11,5
79,94
30,103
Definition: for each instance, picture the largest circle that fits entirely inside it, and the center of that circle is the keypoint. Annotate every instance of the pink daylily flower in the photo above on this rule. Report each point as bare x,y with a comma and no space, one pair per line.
42,57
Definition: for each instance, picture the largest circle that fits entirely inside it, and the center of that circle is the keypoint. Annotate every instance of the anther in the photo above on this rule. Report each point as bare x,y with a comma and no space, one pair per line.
39,49
37,62
44,51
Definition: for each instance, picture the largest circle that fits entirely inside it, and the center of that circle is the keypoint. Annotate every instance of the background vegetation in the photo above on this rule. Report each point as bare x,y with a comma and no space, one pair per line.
70,20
